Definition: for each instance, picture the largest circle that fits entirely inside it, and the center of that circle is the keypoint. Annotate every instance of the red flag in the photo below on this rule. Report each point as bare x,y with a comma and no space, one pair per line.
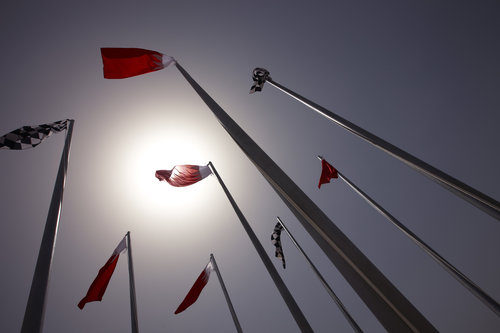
327,172
196,289
184,175
121,62
98,287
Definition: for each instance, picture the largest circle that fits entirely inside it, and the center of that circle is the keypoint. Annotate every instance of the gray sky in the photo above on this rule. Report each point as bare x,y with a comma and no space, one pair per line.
422,75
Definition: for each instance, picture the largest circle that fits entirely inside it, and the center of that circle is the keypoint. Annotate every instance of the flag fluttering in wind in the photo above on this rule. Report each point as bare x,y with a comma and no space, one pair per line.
122,62
30,136
259,77
98,287
276,240
184,175
327,172
196,289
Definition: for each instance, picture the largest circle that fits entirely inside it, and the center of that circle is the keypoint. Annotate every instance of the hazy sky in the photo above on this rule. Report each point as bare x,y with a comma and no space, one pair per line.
423,75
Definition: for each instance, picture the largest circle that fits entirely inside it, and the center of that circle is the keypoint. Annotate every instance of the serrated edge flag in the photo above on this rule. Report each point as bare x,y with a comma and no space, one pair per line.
123,62
327,172
184,175
276,241
30,136
98,287
196,289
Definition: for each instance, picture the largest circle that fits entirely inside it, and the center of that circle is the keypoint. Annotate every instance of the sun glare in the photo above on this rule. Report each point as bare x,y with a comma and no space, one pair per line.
164,152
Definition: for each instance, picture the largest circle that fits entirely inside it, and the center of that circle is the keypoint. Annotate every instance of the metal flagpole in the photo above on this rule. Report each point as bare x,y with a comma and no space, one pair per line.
35,308
464,280
133,302
390,307
226,295
285,293
473,196
335,298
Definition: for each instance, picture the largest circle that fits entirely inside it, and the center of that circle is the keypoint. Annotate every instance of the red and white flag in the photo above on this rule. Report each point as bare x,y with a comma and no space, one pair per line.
122,62
327,172
98,287
184,175
196,289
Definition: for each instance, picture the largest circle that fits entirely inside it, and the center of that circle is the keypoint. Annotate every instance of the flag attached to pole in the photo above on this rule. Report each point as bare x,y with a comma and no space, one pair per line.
276,240
122,62
184,175
98,287
196,289
327,172
30,136
259,77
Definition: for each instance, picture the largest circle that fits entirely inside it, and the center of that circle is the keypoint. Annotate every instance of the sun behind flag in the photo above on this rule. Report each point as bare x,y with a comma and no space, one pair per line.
30,136
122,62
98,287
276,241
327,172
196,289
184,175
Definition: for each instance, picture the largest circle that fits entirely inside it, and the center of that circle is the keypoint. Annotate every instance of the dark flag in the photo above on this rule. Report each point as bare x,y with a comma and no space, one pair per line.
259,78
276,240
327,172
30,136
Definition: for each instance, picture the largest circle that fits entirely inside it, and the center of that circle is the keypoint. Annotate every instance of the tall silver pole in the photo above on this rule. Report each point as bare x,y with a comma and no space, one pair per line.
131,280
35,308
390,307
473,196
325,284
297,314
226,295
464,280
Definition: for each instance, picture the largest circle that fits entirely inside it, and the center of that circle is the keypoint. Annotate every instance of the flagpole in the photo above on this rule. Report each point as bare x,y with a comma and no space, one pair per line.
35,307
457,274
390,307
131,279
325,284
285,293
480,200
226,295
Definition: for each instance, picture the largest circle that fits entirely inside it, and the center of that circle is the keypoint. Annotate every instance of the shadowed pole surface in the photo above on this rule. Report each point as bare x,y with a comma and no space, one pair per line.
35,308
480,200
131,280
325,284
226,295
458,275
390,307
297,314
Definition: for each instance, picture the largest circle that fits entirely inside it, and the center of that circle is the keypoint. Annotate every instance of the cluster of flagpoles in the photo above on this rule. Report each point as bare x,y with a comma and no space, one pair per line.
388,305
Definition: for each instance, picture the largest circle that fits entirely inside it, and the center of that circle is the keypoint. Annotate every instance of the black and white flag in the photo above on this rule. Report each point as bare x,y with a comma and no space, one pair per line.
259,77
30,136
276,240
